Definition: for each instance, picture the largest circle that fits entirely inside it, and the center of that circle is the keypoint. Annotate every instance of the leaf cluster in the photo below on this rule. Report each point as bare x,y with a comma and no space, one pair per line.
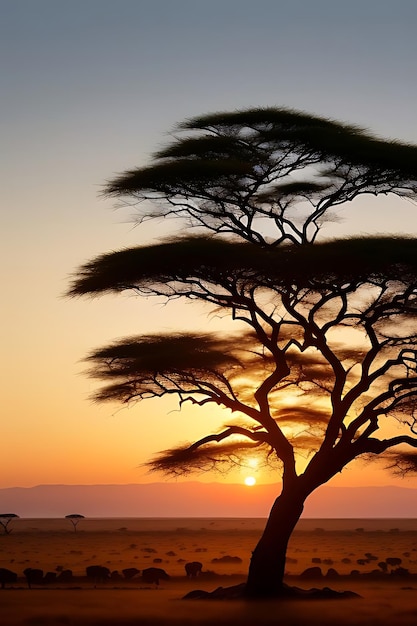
190,261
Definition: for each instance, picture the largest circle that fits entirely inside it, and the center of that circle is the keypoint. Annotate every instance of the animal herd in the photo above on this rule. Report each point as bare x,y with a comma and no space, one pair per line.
97,574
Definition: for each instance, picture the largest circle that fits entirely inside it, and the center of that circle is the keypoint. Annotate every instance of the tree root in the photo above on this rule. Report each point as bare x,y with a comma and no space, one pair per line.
238,592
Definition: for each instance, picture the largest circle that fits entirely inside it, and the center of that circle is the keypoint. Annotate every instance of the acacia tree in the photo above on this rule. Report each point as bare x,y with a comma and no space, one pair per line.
5,519
75,519
326,343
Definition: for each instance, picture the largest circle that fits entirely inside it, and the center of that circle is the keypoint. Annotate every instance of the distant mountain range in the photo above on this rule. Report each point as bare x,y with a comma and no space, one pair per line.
198,499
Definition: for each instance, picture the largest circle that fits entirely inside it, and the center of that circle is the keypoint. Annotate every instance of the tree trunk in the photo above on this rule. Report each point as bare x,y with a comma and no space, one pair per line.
267,566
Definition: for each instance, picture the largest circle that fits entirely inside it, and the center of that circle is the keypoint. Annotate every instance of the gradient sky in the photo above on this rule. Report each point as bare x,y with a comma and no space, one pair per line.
89,89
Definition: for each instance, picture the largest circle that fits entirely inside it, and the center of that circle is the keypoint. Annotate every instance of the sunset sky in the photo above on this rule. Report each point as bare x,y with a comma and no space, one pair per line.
90,88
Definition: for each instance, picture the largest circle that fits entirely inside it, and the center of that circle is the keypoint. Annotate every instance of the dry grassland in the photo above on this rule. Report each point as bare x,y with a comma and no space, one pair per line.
119,544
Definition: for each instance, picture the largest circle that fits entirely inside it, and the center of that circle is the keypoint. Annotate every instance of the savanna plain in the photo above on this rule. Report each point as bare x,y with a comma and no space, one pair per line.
376,559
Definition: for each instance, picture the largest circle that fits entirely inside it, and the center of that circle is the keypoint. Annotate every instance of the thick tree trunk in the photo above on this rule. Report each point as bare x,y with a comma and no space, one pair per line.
267,566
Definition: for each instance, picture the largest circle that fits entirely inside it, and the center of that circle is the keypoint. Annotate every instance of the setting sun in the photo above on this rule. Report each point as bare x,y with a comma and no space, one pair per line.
250,481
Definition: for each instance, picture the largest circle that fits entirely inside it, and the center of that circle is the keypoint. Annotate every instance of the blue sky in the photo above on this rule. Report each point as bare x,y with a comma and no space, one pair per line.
90,88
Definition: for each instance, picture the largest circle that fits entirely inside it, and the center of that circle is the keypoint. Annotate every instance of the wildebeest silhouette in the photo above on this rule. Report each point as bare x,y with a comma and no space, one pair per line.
50,577
400,571
33,576
98,573
7,577
130,572
154,575
193,569
65,576
312,572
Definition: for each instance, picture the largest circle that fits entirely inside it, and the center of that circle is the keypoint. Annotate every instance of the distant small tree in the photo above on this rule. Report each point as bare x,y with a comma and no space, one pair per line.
330,350
75,519
5,519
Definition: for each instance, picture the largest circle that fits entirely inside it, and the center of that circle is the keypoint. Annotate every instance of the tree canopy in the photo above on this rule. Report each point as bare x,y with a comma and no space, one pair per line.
5,519
266,175
75,519
330,349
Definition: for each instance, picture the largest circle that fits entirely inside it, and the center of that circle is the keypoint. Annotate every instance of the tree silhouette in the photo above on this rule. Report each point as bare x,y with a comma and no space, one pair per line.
75,519
329,351
5,519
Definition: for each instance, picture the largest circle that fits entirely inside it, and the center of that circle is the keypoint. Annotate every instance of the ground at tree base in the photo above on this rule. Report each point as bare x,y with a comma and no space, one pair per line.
237,592
384,605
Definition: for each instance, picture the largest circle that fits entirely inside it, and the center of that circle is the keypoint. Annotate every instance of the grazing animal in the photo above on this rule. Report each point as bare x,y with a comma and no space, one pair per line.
400,571
154,575
98,573
332,573
130,572
50,577
312,572
7,577
65,576
193,569
33,576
